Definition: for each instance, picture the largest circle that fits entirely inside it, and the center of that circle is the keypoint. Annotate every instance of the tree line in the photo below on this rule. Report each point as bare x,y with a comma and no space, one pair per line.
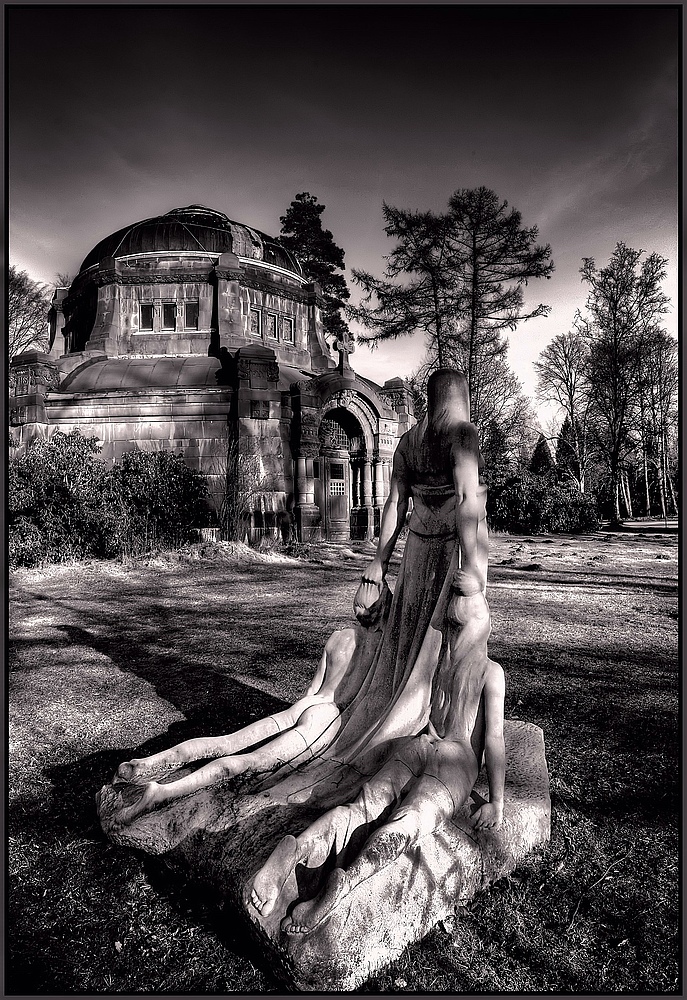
458,278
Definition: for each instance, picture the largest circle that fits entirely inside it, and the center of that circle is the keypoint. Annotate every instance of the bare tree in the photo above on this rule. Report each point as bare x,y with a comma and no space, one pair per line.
239,485
563,378
27,313
625,301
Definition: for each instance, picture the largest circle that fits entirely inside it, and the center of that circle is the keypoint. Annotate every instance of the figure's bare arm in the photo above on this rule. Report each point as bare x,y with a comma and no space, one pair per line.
469,510
392,521
491,813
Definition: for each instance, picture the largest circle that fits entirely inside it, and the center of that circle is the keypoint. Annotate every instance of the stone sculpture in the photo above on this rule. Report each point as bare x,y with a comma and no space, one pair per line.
373,769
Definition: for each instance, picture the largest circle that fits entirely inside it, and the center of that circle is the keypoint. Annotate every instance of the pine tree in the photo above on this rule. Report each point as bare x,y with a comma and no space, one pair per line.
458,278
321,258
542,463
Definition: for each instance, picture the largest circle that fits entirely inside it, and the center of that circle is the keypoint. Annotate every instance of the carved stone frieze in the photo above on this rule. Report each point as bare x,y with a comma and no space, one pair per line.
284,292
308,385
396,398
23,381
227,274
267,371
18,415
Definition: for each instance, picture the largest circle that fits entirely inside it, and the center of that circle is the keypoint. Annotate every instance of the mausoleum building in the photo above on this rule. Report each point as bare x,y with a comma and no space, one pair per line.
197,334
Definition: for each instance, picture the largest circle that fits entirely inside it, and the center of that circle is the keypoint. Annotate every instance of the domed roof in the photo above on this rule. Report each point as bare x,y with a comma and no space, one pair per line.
193,228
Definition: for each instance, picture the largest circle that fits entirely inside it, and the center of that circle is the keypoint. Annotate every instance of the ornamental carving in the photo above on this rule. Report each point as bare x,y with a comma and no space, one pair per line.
308,385
48,376
284,292
155,278
352,401
310,425
18,415
258,371
23,381
396,398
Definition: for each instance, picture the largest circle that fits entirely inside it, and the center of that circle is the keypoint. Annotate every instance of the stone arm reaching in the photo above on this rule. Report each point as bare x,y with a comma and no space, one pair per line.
490,814
470,502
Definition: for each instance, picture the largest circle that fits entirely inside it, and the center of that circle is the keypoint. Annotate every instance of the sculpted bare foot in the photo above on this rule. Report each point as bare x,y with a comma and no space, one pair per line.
140,771
269,881
151,794
307,916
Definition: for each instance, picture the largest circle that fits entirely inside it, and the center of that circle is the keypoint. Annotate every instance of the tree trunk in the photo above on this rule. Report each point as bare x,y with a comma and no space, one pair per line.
627,495
645,470
666,474
615,490
660,475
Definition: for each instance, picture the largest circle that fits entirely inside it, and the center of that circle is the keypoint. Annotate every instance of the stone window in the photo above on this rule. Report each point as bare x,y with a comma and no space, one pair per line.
259,409
287,329
191,315
271,325
168,316
146,322
255,324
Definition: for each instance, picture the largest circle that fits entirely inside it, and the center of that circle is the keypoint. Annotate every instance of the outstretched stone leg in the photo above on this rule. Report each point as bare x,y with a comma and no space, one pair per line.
431,800
333,831
143,769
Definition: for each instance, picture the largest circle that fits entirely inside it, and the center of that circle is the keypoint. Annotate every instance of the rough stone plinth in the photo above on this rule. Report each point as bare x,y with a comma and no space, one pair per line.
395,907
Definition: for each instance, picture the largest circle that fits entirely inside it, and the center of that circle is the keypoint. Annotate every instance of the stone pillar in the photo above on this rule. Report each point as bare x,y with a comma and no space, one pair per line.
355,478
301,481
380,491
367,512
309,481
367,484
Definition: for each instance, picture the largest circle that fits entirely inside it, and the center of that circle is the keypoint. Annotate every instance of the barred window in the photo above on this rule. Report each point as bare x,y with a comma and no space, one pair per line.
287,329
255,325
271,325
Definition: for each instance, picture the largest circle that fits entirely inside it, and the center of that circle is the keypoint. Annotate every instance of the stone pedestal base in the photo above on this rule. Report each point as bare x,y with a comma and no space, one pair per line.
397,906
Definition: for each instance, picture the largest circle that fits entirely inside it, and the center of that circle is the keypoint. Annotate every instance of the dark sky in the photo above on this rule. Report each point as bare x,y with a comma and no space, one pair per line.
568,112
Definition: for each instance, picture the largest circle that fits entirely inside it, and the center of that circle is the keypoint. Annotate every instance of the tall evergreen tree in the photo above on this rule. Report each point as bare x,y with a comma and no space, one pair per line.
542,463
496,256
458,278
322,259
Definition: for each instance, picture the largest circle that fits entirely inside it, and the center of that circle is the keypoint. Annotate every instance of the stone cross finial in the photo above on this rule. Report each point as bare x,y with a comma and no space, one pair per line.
345,346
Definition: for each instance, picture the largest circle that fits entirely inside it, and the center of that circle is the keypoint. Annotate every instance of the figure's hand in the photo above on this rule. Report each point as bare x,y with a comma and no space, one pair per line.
466,584
489,816
370,587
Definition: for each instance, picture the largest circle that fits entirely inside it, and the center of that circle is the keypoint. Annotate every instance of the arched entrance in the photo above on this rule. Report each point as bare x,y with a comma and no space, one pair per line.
342,452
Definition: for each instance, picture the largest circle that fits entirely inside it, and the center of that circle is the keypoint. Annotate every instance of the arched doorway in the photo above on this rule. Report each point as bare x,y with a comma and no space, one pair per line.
342,449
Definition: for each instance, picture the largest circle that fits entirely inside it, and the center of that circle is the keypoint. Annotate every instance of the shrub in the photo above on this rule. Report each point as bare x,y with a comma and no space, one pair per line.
65,503
534,504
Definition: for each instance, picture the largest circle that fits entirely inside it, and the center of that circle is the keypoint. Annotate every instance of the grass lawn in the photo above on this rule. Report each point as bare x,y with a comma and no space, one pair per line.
112,660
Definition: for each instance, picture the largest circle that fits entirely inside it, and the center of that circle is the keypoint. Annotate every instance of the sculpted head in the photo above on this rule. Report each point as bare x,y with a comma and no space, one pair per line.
448,400
375,616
